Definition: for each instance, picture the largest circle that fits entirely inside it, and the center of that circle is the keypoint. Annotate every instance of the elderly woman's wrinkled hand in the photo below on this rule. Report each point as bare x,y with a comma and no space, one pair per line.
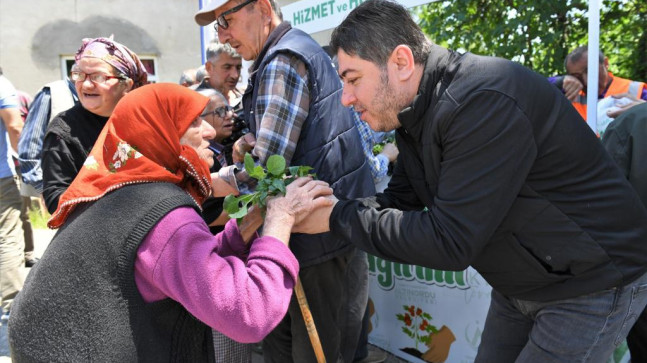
302,197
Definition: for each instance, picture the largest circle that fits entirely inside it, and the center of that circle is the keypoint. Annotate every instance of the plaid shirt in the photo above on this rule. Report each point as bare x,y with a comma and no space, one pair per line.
379,164
281,108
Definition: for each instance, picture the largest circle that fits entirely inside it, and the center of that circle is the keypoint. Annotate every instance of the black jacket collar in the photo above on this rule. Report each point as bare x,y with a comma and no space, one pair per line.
412,117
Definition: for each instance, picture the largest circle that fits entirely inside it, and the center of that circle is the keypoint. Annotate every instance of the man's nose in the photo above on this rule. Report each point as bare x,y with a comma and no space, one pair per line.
347,97
223,35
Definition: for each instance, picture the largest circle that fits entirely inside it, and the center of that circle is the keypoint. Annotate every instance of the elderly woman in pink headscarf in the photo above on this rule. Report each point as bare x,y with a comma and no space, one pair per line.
104,72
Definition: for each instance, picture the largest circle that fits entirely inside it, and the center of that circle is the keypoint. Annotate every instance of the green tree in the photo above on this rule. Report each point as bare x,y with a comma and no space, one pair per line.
540,33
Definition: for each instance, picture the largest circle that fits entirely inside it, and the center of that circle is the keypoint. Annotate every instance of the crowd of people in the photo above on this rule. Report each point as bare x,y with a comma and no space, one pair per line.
487,172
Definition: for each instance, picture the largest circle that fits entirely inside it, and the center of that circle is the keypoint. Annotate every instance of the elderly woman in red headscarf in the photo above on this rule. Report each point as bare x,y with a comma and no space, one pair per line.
105,71
134,273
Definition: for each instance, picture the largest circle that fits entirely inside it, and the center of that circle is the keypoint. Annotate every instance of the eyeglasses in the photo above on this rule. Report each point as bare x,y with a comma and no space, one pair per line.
97,78
220,111
222,22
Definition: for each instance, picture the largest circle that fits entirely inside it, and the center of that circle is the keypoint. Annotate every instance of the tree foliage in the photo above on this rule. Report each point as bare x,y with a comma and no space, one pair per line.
540,33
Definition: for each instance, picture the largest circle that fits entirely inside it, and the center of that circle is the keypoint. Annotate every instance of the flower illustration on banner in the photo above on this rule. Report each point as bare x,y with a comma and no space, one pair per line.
123,153
416,324
436,343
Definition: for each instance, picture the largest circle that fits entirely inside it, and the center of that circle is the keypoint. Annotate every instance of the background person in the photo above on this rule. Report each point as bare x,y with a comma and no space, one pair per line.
188,77
12,245
292,109
107,70
25,101
574,83
222,71
53,98
488,176
149,279
219,115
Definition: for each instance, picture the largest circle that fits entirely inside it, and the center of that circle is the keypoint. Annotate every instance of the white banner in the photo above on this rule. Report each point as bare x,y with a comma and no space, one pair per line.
412,304
424,315
313,16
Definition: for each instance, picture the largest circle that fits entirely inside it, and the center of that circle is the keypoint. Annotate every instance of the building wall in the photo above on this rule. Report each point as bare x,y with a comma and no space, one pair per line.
35,34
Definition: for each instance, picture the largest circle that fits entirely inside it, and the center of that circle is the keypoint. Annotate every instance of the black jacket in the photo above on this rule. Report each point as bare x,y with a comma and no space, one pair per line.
515,184
68,141
626,141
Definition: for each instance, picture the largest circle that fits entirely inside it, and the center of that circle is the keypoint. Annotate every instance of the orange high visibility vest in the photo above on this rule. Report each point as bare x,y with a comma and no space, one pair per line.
618,85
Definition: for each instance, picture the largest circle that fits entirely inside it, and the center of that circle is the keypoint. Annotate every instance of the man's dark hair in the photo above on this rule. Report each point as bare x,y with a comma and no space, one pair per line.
0,71
578,53
373,30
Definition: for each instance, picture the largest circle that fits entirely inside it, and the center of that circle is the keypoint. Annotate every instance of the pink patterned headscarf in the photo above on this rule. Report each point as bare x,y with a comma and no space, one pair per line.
115,54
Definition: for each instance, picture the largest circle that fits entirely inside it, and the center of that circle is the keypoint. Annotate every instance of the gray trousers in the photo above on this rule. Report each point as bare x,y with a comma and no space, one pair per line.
12,245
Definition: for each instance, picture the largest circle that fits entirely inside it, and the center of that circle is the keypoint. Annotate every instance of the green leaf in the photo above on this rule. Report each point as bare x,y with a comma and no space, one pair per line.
241,212
230,204
262,199
279,185
294,170
276,165
304,171
249,163
257,173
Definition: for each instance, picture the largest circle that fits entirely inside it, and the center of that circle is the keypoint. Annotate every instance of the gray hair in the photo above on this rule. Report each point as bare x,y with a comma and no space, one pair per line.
188,77
212,93
200,74
214,49
375,28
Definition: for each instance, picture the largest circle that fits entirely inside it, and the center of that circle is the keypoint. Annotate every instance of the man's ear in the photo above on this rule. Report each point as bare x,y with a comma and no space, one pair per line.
266,8
402,63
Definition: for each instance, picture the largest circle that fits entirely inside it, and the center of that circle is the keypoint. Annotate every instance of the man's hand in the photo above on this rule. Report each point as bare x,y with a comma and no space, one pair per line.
317,221
303,197
242,146
621,109
439,344
572,87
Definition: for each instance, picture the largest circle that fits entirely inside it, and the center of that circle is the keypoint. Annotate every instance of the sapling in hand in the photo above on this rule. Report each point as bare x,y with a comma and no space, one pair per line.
272,181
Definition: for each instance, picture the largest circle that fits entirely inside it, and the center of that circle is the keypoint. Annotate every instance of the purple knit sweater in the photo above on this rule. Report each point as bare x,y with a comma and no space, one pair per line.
244,298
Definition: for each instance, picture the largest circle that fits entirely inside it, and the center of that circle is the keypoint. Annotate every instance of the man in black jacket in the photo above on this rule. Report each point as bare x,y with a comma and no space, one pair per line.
496,170
625,140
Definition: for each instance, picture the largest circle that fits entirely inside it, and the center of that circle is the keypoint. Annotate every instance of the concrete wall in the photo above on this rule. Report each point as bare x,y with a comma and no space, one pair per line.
35,34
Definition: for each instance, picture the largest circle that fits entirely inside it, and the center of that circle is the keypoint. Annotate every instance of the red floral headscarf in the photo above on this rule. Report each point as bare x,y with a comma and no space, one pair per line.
141,144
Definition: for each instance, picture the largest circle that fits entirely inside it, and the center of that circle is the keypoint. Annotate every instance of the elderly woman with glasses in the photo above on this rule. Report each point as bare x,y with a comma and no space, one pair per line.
219,115
134,274
105,71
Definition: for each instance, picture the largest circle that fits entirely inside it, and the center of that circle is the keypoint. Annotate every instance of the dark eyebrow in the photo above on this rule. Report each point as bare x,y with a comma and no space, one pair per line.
342,75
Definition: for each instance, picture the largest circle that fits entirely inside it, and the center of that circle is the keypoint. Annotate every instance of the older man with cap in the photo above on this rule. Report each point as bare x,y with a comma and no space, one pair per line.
292,105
